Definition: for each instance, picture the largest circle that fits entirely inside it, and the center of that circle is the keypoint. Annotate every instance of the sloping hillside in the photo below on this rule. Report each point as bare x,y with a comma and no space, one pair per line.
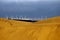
48,29
50,20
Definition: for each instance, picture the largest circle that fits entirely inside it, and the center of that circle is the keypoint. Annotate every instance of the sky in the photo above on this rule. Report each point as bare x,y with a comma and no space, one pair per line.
29,8
26,0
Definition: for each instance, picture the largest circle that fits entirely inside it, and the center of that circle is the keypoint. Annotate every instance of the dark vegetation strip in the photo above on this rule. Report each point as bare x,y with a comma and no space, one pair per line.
25,20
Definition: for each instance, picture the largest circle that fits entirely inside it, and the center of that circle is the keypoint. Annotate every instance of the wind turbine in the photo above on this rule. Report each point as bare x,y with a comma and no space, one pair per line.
7,17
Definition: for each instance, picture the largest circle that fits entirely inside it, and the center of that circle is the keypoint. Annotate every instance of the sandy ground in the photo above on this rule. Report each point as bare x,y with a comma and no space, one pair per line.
47,29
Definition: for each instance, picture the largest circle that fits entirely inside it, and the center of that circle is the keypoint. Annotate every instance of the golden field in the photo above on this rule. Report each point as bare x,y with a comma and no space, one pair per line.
47,29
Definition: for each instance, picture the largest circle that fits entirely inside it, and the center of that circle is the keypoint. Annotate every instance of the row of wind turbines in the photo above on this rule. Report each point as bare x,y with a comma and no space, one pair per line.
26,18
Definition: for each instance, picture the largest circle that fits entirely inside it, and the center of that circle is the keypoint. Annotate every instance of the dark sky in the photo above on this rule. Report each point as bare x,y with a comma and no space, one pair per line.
32,9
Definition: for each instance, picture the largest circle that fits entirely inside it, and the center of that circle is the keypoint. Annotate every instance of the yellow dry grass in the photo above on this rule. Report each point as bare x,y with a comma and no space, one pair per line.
18,30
